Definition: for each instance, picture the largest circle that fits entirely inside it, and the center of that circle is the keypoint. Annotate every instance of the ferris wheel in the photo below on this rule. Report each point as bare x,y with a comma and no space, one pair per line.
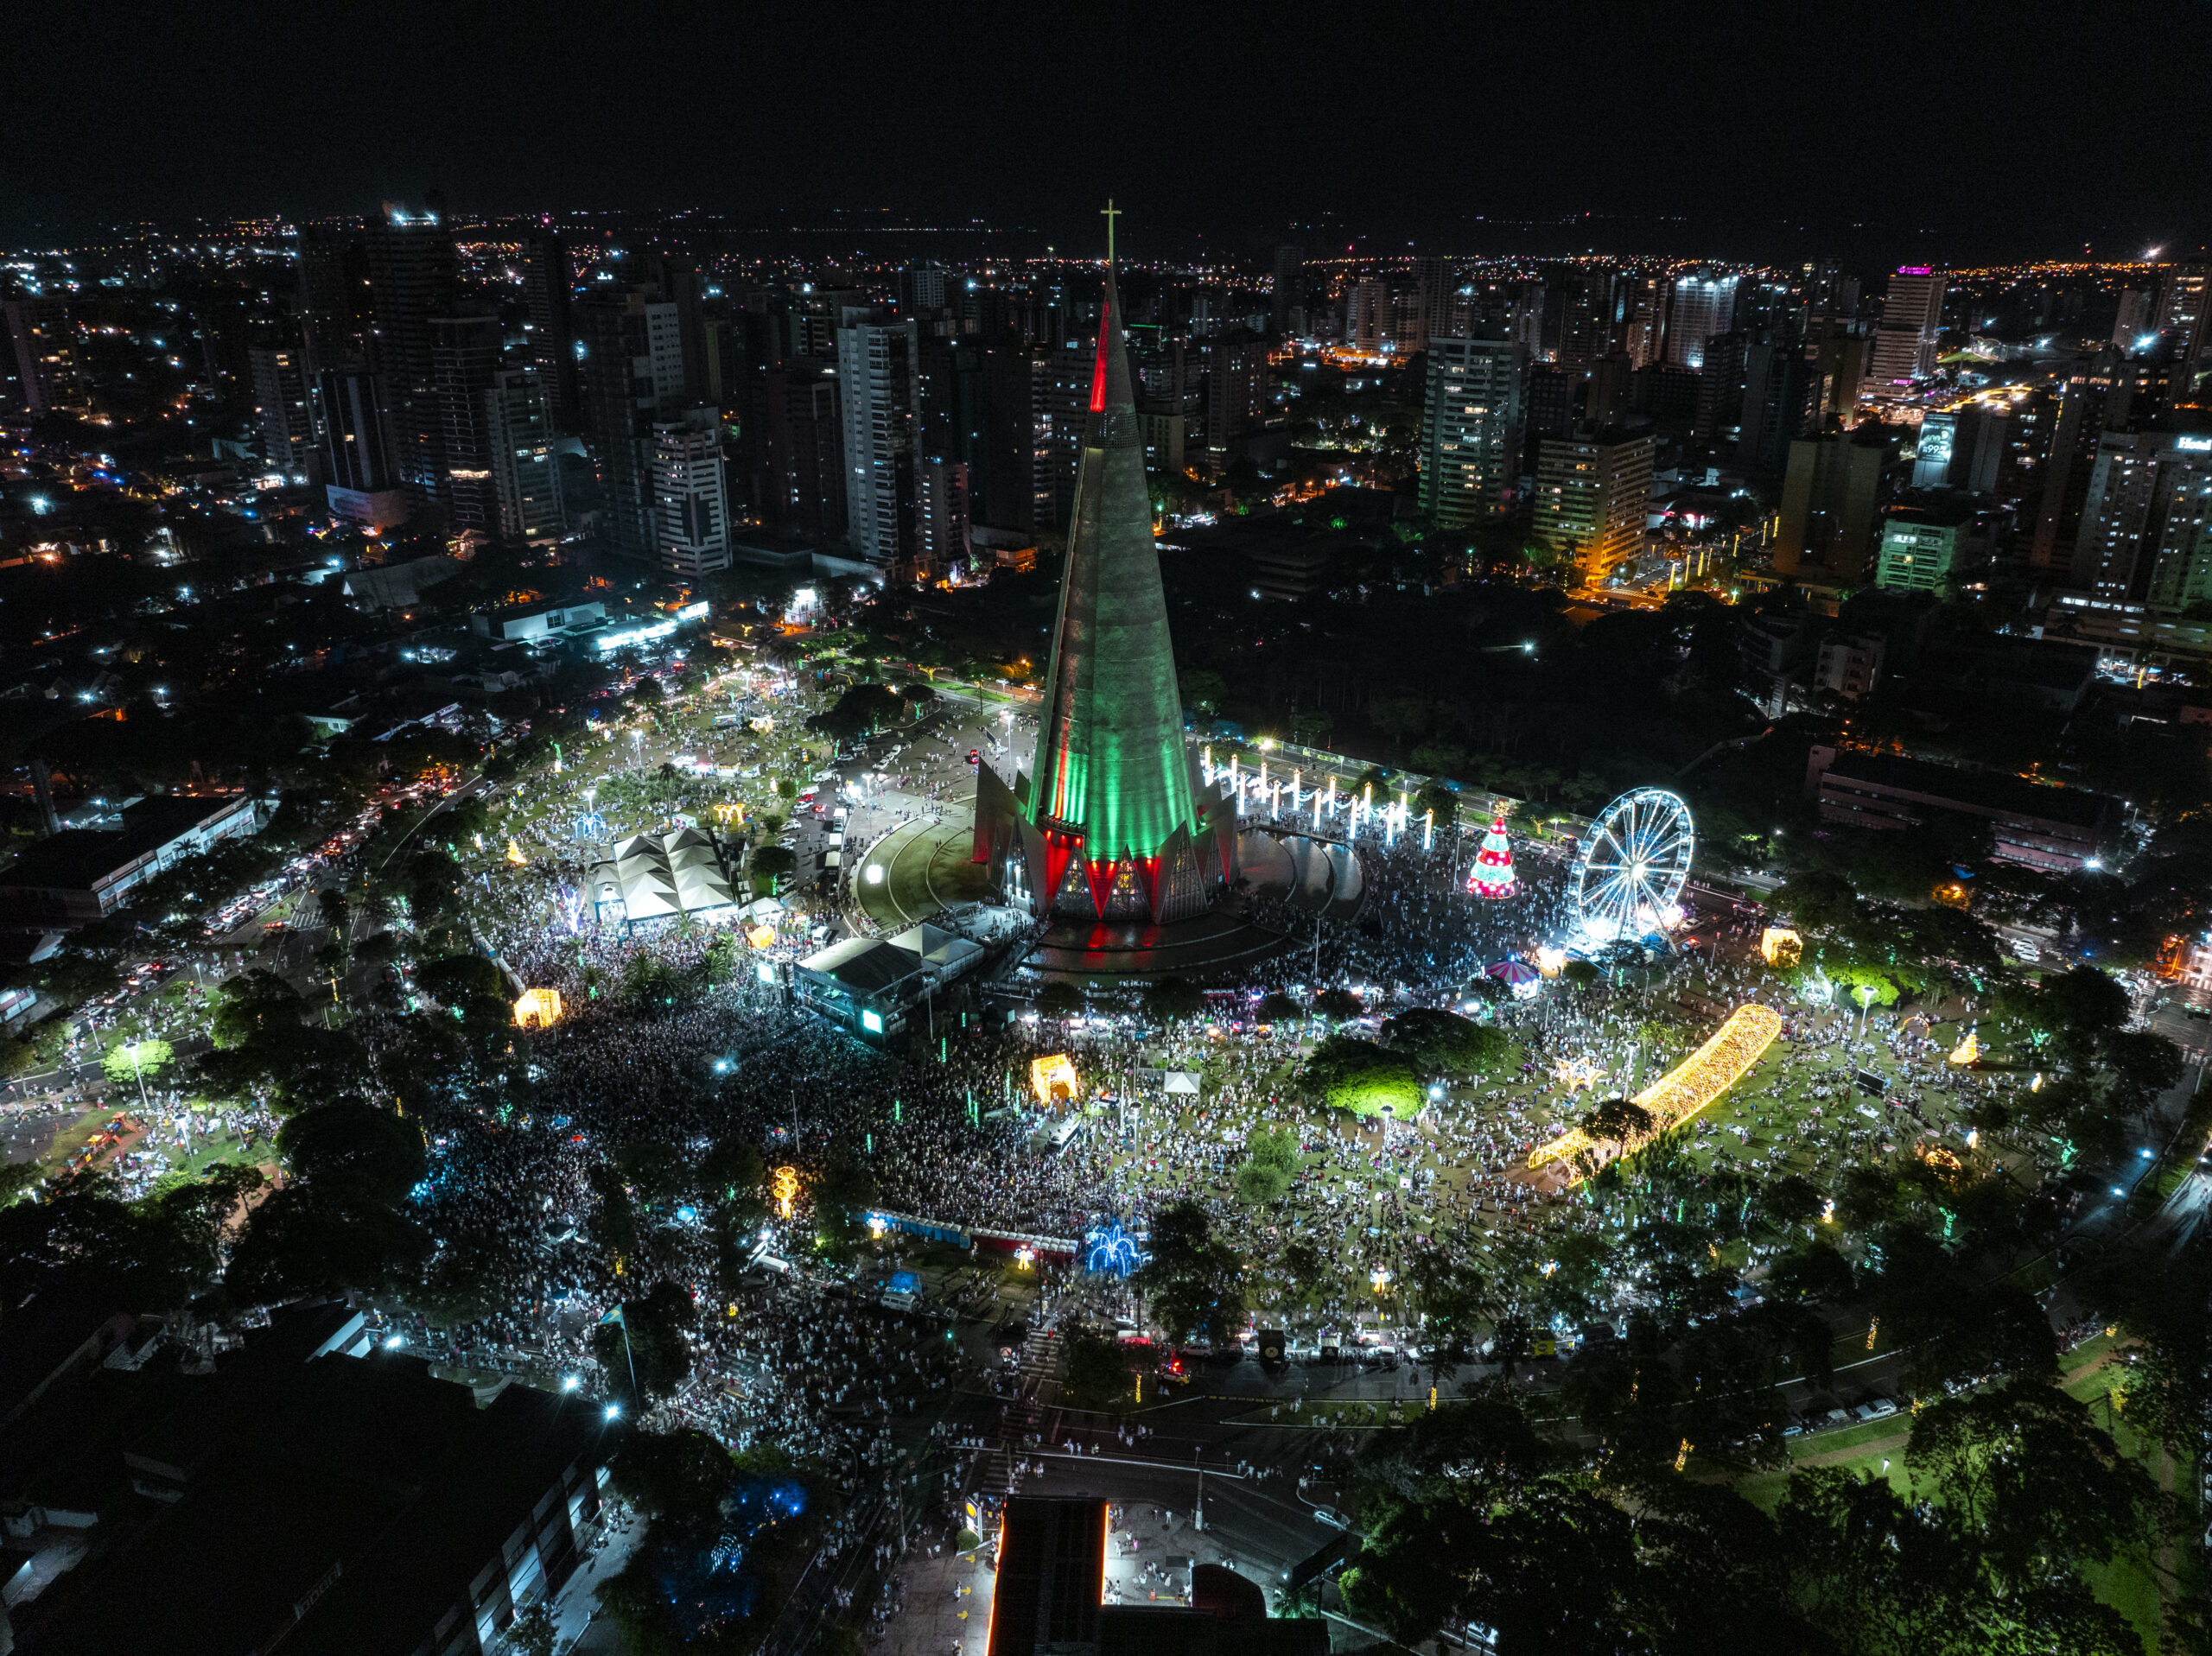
1632,866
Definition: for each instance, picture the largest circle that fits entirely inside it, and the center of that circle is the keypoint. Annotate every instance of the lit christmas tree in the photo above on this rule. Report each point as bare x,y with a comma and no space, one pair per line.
1493,872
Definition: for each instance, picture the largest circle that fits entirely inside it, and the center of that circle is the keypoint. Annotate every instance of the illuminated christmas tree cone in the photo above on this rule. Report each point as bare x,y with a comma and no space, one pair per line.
1492,875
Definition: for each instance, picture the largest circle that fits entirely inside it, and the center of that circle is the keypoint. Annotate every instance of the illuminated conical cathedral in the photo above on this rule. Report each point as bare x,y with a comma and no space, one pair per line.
1113,821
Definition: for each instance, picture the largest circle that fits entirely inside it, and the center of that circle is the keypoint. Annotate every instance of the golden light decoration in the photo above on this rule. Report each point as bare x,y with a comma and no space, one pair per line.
1691,1085
1780,946
1969,1051
1054,1079
1575,1074
783,1184
537,1009
514,854
729,812
1551,961
1942,1160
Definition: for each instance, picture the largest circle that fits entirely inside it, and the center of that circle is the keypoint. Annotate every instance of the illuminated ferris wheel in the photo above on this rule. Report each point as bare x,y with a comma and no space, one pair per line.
1632,866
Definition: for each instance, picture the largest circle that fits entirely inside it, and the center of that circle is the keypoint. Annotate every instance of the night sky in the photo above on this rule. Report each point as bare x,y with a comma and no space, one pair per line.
1877,131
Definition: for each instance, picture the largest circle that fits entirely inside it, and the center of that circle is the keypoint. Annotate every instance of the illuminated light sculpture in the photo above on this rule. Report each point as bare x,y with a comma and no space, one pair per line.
1576,1073
1779,946
1109,1250
1054,1079
761,936
571,909
1633,865
1969,1051
514,854
591,826
1114,820
1691,1085
783,1184
537,1009
1492,875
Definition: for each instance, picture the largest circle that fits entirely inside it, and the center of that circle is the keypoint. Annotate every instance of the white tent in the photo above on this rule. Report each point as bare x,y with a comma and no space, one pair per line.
655,875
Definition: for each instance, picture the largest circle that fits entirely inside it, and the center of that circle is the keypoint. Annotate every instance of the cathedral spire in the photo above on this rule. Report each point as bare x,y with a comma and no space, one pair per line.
1111,787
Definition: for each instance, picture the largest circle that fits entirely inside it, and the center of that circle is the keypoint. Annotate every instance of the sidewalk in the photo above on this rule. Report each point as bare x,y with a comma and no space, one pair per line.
940,1619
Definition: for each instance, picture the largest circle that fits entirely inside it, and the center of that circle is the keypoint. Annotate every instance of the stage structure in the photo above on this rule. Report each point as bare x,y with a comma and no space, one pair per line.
1633,865
1114,821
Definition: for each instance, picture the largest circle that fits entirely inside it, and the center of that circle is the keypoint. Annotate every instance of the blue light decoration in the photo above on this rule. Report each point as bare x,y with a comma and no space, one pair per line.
592,826
571,905
1109,1250
905,1282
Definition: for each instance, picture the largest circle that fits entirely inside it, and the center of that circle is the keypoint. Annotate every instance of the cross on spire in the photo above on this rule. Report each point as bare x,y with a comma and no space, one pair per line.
1110,212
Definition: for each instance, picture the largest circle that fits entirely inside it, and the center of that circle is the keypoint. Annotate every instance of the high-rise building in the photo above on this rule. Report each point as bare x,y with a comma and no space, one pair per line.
1922,547
1581,315
948,445
2185,307
2131,323
1961,448
46,362
690,495
2056,543
1593,491
1835,352
1368,315
525,467
630,373
1236,388
1433,286
1777,391
1905,338
1605,399
337,315
1643,326
1833,497
924,290
1720,386
1669,397
413,271
1287,286
283,410
465,354
1551,406
548,291
1470,420
360,477
2146,524
880,384
1700,304
798,484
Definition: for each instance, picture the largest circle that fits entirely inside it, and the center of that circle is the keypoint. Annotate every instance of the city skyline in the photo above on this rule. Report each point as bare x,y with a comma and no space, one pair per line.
1377,133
